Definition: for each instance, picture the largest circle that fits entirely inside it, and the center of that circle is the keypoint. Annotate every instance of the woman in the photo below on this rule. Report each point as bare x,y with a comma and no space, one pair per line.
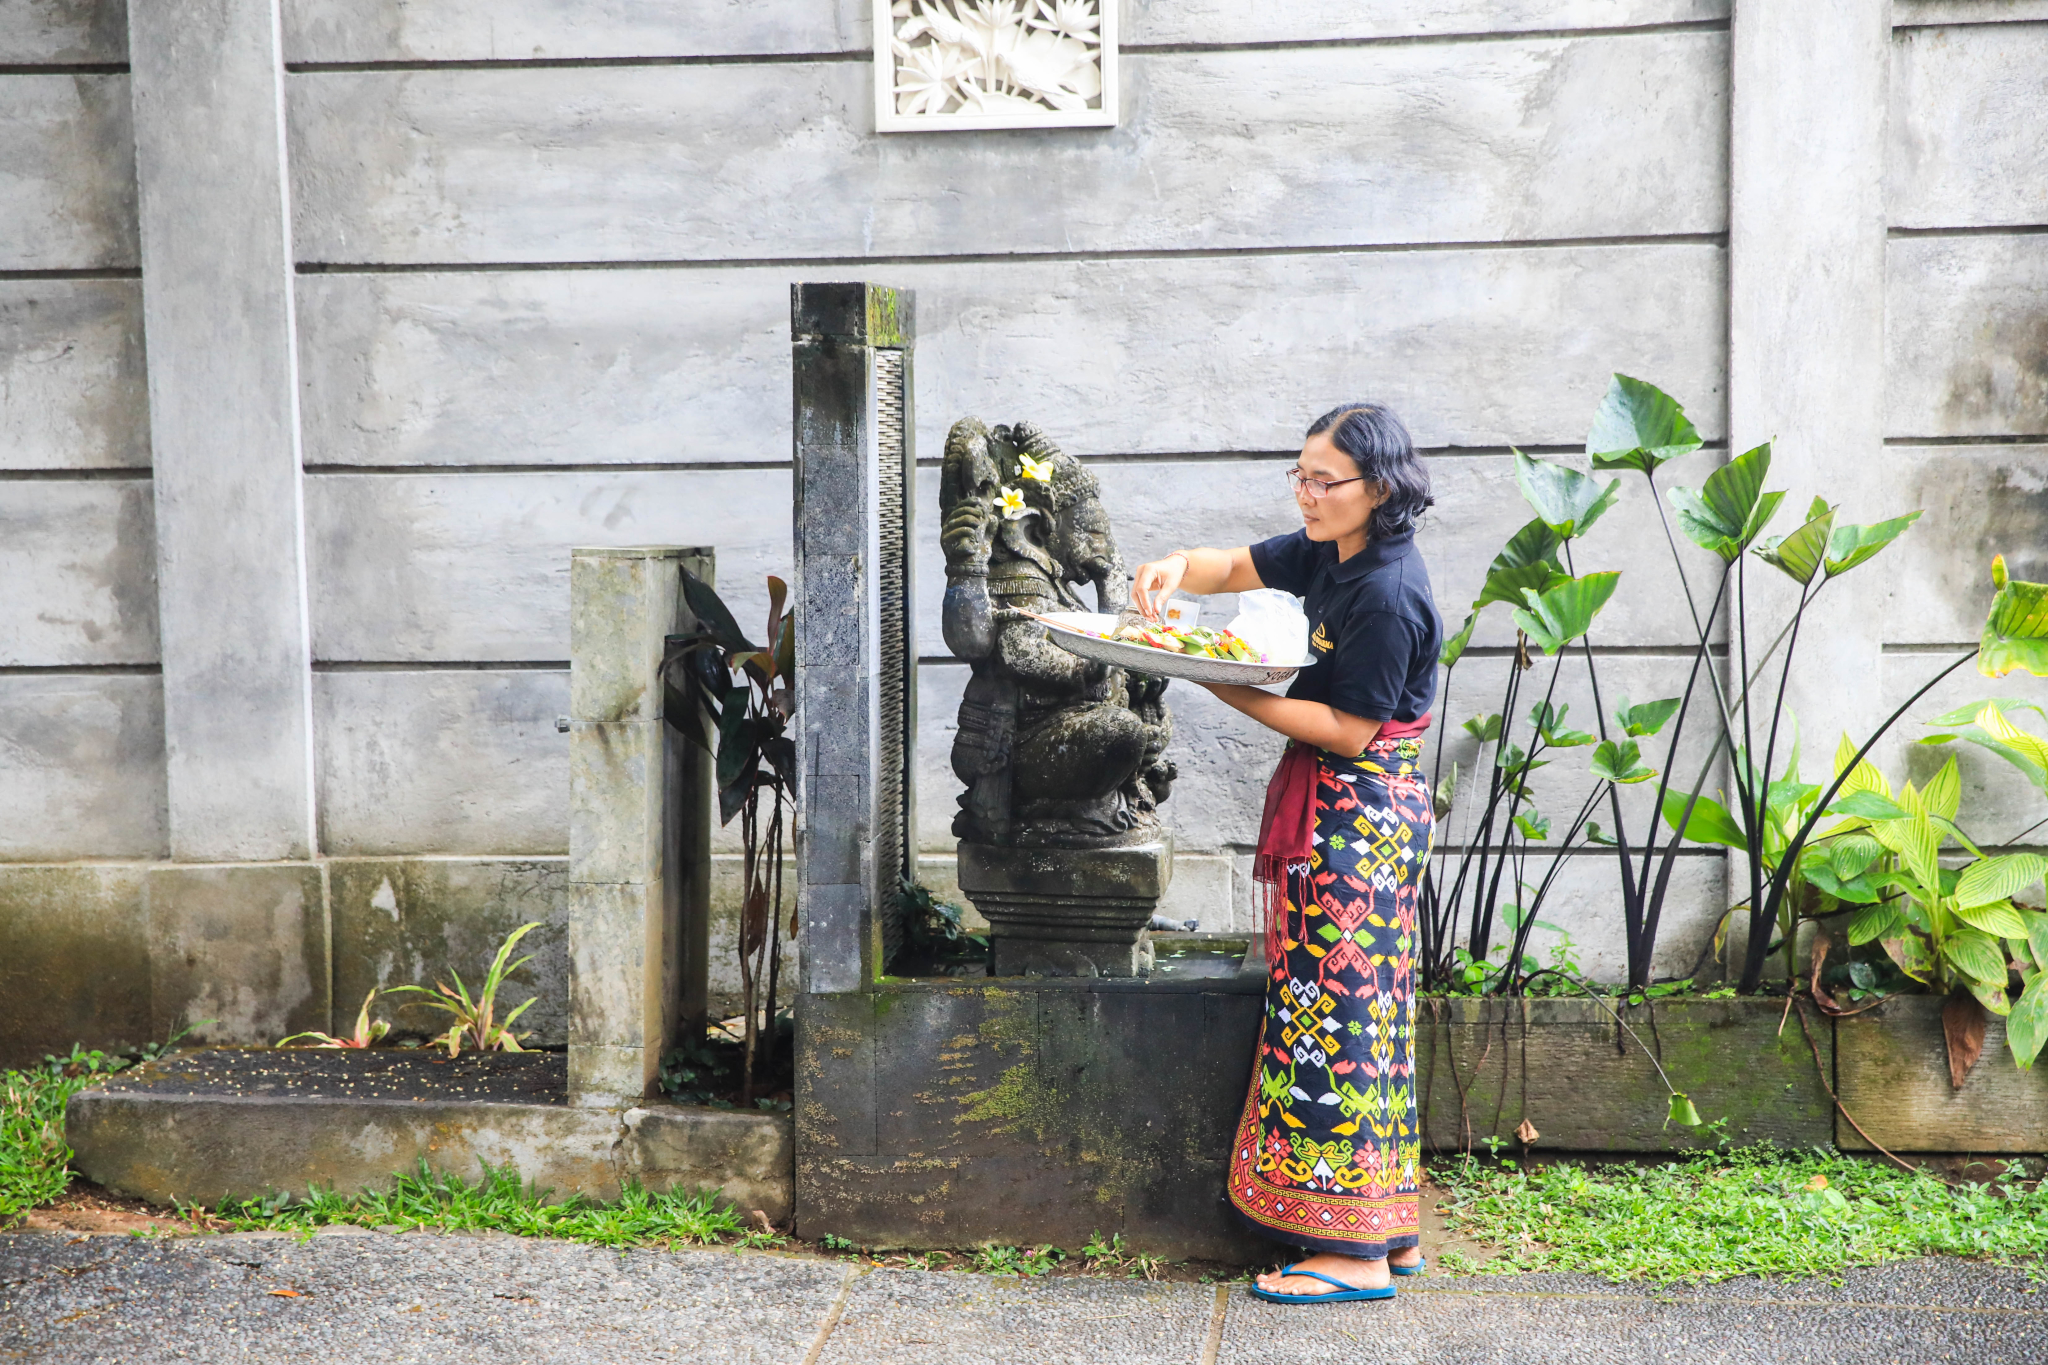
1327,1152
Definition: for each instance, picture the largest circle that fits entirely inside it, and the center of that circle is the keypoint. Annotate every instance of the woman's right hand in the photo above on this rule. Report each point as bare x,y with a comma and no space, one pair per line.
1156,582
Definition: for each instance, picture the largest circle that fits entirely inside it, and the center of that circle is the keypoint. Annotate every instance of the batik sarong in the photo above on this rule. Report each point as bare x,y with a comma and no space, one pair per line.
1328,1151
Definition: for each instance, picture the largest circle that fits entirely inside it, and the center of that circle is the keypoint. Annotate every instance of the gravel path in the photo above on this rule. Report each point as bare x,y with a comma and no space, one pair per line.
351,1295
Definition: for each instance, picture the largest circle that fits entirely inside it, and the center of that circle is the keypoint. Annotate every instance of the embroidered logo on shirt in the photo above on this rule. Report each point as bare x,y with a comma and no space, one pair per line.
1319,640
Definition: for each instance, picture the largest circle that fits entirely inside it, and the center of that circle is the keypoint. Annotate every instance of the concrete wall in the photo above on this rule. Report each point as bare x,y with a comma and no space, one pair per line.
536,292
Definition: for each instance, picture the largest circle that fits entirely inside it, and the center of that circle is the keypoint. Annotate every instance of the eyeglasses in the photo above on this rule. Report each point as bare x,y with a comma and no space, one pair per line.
1316,488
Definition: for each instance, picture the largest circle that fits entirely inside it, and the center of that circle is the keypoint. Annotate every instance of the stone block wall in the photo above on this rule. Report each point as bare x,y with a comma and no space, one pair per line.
285,530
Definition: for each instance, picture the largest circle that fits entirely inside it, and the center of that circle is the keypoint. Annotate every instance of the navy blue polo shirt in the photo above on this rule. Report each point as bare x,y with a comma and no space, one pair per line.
1374,632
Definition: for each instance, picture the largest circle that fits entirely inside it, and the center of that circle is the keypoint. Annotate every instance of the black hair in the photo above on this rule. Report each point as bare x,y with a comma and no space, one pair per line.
1380,446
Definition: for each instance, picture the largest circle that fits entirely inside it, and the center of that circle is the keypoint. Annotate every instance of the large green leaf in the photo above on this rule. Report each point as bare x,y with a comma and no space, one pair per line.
1726,513
1801,554
1639,427
1563,612
712,616
1999,879
1528,560
1709,823
1548,721
1997,919
1851,545
1454,648
1565,500
1874,922
1484,728
1976,955
2026,1027
1853,854
1646,718
1943,794
2037,935
1508,584
2016,630
2023,749
1619,762
1910,952
1970,710
1868,805
1917,842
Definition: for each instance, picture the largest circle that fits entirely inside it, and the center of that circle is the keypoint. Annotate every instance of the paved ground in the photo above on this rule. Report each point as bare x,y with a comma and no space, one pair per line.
347,1296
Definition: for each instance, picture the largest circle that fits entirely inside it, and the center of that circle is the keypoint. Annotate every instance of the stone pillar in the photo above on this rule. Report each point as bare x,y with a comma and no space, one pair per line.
243,941
856,663
1806,248
639,826
207,78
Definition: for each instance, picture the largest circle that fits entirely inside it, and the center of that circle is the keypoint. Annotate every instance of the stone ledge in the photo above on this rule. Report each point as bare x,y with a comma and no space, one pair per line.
159,1140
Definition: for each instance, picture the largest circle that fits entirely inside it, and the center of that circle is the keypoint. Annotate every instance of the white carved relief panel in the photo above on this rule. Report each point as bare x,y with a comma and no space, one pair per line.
956,64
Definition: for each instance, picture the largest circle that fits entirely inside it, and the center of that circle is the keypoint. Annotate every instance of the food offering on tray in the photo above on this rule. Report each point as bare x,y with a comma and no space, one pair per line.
1198,642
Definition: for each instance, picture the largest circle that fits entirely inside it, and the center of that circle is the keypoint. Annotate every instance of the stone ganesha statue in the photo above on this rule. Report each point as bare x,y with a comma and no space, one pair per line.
1056,751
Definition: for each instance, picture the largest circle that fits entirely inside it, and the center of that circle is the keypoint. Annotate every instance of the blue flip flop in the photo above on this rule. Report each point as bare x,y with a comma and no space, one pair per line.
1345,1293
1421,1264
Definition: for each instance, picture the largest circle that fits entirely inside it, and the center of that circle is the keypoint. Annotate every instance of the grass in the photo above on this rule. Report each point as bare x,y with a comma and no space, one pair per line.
498,1202
34,1158
1714,1216
1746,1211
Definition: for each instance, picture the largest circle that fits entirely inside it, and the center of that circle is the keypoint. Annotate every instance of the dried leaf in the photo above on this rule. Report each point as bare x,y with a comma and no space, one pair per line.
1962,1027
1526,1133
1821,997
286,1294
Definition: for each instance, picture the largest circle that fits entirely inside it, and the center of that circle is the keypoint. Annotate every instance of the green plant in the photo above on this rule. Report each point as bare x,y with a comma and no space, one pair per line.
476,1017
996,1260
1955,929
366,1034
833,1242
1732,1213
932,927
702,1070
498,1201
1552,607
33,1154
34,1158
715,680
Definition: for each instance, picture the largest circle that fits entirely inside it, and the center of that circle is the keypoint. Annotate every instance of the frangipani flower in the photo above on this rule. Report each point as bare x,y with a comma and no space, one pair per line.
1012,503
1038,470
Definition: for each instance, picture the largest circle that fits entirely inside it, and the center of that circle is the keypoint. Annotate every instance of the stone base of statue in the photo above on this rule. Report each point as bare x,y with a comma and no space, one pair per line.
1065,911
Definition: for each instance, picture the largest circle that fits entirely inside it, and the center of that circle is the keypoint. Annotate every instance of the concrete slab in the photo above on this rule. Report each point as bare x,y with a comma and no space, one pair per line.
360,1295
906,1317
214,1125
402,1298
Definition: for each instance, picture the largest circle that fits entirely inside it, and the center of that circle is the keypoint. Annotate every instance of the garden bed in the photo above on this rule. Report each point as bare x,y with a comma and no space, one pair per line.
1585,1084
207,1126
1893,1069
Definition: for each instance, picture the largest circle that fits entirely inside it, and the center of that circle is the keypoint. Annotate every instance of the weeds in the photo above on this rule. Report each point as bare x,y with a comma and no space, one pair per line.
476,1017
366,1035
1111,1254
995,1260
1744,1211
500,1202
34,1157
32,1149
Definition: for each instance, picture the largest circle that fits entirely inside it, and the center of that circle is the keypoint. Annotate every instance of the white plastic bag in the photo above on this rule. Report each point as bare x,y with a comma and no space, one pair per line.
1272,622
